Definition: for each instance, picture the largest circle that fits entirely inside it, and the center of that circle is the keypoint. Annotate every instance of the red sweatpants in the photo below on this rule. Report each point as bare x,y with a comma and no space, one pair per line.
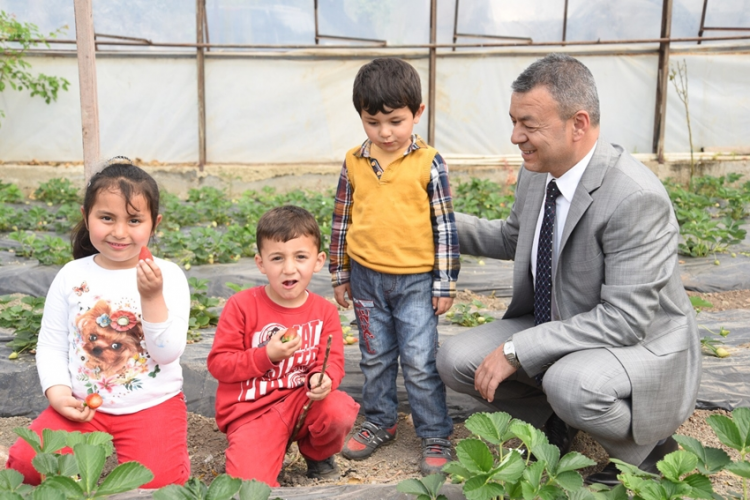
256,447
156,437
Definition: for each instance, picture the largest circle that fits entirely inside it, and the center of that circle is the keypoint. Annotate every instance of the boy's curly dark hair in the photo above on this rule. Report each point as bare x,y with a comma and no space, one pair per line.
385,84
286,223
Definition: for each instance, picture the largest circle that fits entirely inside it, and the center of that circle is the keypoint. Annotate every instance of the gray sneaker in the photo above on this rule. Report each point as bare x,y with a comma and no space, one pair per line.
322,469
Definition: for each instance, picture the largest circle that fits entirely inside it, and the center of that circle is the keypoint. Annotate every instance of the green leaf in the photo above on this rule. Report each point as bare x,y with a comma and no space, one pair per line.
48,491
550,492
699,302
474,455
126,476
456,469
90,461
67,465
10,479
710,460
726,430
527,433
631,469
223,487
254,490
741,417
30,437
175,492
492,427
549,453
675,489
510,469
677,464
617,493
533,474
412,487
581,494
742,468
101,439
701,486
53,441
574,461
478,488
433,482
650,490
66,485
570,480
45,463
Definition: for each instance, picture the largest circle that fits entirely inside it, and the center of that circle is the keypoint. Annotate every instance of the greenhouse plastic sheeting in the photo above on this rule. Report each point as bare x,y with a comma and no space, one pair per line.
268,109
726,381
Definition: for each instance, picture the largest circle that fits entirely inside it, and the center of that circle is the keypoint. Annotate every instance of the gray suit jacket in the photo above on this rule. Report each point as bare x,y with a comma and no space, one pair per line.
616,284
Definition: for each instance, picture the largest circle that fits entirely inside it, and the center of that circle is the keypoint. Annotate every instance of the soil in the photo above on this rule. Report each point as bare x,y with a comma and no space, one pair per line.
400,459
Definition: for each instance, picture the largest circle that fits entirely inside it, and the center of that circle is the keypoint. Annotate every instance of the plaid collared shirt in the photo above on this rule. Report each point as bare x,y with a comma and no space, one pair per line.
447,264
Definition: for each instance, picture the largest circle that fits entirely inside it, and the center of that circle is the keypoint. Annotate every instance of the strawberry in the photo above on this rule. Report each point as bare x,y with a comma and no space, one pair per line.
289,334
94,400
145,254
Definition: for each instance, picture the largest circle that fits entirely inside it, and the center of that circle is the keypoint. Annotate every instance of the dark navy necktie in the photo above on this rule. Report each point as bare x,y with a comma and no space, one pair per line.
543,282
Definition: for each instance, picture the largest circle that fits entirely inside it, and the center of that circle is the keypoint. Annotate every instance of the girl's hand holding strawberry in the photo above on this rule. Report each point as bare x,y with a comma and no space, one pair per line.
61,399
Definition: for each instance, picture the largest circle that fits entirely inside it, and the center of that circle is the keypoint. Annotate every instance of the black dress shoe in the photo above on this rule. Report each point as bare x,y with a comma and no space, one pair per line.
559,433
608,475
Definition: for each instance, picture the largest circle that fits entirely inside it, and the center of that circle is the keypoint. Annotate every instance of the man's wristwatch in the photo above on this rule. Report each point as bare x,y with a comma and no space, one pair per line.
510,353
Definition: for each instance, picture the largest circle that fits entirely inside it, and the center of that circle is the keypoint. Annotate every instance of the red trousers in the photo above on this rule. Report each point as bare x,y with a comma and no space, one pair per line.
257,447
156,437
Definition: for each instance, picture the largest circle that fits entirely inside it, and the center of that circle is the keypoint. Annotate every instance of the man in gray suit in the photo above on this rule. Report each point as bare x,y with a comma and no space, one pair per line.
600,334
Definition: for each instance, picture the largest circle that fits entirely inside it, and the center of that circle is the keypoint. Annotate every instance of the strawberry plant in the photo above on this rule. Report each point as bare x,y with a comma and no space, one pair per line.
25,320
483,198
86,464
58,191
48,250
468,314
202,308
9,193
223,486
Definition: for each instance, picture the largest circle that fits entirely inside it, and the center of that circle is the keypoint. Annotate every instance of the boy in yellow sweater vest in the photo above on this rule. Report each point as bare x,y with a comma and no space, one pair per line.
394,254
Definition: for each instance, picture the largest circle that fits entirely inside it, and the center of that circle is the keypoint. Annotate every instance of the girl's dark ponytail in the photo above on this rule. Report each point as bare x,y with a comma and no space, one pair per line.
122,175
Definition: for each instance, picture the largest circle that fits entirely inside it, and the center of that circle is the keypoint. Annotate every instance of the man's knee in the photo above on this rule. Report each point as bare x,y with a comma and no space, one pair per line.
455,364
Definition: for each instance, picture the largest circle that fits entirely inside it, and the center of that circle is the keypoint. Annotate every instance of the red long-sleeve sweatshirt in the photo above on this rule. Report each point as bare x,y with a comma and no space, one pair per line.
249,382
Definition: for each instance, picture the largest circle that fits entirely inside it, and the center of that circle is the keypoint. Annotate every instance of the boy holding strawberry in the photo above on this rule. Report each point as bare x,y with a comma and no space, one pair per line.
268,356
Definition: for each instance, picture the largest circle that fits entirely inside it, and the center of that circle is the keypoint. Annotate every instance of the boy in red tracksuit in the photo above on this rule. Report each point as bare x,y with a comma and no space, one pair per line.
264,378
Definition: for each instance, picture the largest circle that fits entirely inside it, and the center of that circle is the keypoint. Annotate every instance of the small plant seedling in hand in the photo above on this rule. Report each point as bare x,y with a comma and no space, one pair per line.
94,400
145,254
289,334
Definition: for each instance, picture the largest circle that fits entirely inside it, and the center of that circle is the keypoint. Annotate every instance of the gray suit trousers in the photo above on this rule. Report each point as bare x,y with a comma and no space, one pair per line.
588,389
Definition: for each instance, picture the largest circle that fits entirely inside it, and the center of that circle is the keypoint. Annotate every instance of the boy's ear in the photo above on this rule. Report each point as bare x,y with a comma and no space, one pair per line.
418,114
259,263
320,261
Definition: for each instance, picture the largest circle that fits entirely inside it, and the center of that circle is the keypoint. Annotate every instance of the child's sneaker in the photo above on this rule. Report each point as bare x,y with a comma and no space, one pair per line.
436,452
365,441
322,469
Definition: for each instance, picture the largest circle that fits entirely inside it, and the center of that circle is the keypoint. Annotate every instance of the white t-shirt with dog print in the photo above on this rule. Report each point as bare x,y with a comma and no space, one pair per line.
93,338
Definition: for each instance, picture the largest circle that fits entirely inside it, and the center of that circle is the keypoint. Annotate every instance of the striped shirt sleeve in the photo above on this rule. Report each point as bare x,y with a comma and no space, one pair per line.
342,218
444,233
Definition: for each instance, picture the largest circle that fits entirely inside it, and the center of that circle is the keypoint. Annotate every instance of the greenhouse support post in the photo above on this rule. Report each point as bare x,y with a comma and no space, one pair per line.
87,83
662,80
432,75
200,13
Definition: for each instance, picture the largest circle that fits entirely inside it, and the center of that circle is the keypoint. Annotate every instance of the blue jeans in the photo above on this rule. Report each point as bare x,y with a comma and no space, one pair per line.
395,317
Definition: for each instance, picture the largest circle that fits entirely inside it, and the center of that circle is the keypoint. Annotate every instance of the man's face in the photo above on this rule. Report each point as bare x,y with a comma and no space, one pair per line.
545,140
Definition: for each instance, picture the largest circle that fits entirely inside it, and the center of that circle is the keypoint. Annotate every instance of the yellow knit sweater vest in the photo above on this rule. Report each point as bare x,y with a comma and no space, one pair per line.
391,231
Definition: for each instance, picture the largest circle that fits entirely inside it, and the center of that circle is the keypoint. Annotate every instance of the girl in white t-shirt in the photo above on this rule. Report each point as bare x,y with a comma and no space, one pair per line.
115,324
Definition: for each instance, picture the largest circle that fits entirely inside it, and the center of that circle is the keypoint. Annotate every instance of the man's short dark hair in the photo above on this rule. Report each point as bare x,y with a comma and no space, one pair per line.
385,84
570,82
286,223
